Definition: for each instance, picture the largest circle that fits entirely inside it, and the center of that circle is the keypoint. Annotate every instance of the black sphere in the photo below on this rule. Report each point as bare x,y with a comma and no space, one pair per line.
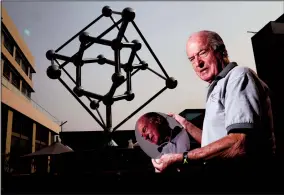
83,37
53,72
94,104
128,14
117,78
128,68
101,59
78,91
144,65
130,96
49,54
106,11
107,100
171,83
137,45
115,44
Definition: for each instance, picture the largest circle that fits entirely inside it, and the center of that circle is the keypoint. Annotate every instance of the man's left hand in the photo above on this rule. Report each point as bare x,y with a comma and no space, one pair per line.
165,160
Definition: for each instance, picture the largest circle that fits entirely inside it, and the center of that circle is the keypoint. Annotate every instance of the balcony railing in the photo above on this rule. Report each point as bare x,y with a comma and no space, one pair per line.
11,87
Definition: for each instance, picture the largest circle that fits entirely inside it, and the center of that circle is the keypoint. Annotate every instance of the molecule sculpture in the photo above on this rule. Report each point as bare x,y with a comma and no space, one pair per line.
54,70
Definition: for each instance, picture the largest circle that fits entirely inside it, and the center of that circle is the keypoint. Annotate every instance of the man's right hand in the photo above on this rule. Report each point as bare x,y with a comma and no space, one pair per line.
179,119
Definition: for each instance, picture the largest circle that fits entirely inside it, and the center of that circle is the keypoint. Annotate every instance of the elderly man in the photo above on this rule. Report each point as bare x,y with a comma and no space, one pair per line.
238,122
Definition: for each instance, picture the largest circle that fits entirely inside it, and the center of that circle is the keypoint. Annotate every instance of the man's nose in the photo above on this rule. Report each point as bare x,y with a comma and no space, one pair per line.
144,135
199,63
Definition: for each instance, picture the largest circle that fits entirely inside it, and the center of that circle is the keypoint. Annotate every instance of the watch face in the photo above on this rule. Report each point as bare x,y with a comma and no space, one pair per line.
158,133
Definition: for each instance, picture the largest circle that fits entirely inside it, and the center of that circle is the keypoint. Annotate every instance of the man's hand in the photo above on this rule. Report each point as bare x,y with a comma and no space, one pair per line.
194,131
165,161
178,118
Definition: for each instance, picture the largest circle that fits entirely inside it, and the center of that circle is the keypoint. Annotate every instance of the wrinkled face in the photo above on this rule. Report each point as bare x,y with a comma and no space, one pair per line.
149,130
202,57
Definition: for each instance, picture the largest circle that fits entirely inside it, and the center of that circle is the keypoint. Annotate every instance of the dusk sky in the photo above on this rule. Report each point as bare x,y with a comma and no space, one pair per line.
166,25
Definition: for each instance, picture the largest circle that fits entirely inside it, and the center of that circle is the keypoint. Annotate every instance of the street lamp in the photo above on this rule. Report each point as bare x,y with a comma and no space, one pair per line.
62,123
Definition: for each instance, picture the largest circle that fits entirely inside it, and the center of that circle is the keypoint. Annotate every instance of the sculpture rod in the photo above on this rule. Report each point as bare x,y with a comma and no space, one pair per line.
78,99
113,20
122,30
92,95
115,12
117,61
99,41
95,60
150,49
108,118
138,109
128,79
133,73
127,45
128,73
153,71
109,29
120,97
94,21
113,88
62,57
66,72
111,62
89,44
98,112
102,120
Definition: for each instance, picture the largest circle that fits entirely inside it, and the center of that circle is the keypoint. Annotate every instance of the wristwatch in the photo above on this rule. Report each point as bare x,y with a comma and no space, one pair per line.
185,158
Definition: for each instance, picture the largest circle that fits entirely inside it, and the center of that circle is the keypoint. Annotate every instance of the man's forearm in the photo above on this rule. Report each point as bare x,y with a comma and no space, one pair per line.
228,147
194,131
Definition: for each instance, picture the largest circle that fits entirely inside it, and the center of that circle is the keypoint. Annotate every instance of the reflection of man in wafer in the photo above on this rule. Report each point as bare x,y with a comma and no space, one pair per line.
154,128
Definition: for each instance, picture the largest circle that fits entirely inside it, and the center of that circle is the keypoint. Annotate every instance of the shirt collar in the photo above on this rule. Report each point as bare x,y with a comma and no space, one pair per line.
226,70
221,75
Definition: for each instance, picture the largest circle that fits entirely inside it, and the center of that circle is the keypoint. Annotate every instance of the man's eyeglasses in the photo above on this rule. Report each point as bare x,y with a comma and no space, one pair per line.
201,54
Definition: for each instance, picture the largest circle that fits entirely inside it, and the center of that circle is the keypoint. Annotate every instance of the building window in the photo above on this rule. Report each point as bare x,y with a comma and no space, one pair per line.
26,89
42,135
8,43
25,67
16,80
6,69
4,120
29,94
22,125
17,123
21,143
19,147
31,75
18,57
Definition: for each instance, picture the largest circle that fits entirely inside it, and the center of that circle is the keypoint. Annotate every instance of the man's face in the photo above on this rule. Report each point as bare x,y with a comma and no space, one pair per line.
148,131
204,60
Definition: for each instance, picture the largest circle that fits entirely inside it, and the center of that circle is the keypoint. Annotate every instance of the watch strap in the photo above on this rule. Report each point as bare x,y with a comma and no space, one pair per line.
185,158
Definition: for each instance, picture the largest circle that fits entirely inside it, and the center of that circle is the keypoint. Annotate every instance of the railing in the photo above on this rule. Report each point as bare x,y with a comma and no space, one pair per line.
12,88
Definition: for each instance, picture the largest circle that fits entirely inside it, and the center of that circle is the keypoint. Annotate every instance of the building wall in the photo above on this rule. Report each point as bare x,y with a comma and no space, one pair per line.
25,126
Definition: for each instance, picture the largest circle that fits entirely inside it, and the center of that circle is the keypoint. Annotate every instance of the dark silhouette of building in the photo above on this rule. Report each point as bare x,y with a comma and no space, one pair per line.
268,48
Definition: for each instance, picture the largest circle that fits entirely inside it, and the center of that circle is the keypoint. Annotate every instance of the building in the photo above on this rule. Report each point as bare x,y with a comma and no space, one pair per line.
25,126
268,48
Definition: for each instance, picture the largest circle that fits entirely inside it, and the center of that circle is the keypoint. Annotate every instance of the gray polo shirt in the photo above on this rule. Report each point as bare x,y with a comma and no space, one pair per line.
238,101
